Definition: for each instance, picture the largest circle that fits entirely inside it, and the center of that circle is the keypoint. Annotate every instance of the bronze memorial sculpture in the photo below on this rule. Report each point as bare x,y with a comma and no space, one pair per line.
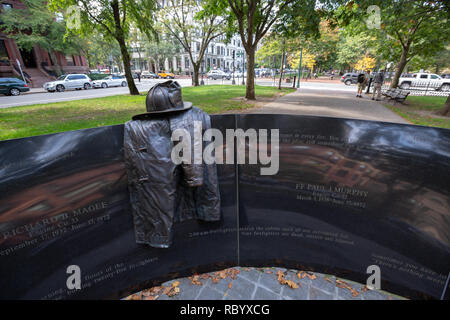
161,191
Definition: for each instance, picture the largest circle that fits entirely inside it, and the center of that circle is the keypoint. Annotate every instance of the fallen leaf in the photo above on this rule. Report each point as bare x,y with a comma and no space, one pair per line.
151,298
291,284
176,284
344,285
194,280
229,285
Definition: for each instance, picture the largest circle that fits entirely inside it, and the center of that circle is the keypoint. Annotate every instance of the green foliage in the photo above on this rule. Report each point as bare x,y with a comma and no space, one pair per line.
37,25
194,24
100,48
352,47
161,50
416,27
98,76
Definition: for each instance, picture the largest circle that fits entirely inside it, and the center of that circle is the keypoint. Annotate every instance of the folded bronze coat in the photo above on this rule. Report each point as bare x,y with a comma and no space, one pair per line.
162,192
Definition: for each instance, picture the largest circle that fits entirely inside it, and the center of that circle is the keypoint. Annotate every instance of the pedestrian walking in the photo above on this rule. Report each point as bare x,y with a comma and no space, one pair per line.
363,79
139,76
378,82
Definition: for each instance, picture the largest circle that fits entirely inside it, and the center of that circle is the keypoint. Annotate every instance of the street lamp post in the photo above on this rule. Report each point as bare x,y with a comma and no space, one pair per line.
202,64
233,82
243,68
300,68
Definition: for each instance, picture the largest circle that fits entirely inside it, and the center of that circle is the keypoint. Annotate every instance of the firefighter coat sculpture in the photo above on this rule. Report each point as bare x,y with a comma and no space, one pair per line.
161,191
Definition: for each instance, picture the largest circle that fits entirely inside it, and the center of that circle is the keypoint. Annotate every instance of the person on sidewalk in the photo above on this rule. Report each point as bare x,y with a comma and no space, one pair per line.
378,82
362,82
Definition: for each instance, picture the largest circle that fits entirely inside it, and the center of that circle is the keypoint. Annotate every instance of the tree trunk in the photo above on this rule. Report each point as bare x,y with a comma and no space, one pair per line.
250,87
445,111
127,67
281,71
120,37
400,67
55,63
196,68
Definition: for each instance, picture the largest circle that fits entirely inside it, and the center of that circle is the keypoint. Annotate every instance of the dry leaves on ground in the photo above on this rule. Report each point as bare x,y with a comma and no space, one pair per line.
304,274
195,280
216,276
344,285
283,281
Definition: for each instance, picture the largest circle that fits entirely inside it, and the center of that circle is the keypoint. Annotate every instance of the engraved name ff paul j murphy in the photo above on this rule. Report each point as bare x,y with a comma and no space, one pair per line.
162,192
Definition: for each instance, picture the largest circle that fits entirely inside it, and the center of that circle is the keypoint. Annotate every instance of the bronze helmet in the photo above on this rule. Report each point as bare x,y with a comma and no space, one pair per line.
164,97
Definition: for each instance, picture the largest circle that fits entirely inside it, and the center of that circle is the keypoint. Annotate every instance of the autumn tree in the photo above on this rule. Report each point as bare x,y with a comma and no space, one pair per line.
407,28
193,26
114,18
102,50
37,25
253,19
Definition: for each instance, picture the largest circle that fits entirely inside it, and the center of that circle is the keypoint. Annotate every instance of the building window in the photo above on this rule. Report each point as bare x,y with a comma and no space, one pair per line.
4,57
186,63
69,60
6,6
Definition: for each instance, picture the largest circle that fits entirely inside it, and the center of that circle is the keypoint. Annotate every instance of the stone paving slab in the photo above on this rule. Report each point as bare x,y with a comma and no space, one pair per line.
242,283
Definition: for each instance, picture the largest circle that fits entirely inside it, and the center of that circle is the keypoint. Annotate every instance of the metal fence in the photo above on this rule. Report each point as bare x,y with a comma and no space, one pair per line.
423,88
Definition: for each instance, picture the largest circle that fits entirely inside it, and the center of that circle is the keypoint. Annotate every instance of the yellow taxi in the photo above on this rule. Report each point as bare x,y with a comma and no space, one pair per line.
166,75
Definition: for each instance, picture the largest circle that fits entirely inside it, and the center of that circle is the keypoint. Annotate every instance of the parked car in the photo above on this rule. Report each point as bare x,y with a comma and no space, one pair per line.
110,81
149,75
68,82
166,75
13,86
239,74
424,80
218,74
350,78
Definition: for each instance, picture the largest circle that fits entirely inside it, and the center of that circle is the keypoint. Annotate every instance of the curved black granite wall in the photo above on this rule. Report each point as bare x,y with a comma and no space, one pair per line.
348,194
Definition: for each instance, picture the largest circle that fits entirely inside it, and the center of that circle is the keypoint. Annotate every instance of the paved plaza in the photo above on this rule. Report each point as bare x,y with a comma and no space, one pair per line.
242,283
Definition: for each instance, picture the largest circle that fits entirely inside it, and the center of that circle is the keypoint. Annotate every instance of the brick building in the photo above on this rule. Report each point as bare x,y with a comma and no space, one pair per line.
36,63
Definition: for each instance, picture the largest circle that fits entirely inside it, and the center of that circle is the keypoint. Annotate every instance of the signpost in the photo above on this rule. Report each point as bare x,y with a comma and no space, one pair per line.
300,68
21,72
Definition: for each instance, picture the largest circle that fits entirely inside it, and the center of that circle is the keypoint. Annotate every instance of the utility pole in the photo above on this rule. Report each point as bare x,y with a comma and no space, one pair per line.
243,68
234,53
300,68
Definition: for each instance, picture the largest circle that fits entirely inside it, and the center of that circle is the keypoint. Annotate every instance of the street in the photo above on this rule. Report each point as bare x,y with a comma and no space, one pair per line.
145,85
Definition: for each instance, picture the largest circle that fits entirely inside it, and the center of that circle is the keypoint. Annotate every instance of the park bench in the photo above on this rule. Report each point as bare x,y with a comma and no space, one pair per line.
396,94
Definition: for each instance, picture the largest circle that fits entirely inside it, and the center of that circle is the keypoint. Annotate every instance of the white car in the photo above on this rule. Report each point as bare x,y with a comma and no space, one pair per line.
69,82
218,74
239,74
110,81
424,80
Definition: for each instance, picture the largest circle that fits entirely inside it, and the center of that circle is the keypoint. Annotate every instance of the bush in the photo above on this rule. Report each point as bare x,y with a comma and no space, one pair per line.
97,76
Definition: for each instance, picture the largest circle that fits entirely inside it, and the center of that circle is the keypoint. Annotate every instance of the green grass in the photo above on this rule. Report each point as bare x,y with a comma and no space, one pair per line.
422,111
18,122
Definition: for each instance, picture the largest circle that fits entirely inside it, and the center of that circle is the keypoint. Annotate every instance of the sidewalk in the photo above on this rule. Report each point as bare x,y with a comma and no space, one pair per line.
330,103
261,284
